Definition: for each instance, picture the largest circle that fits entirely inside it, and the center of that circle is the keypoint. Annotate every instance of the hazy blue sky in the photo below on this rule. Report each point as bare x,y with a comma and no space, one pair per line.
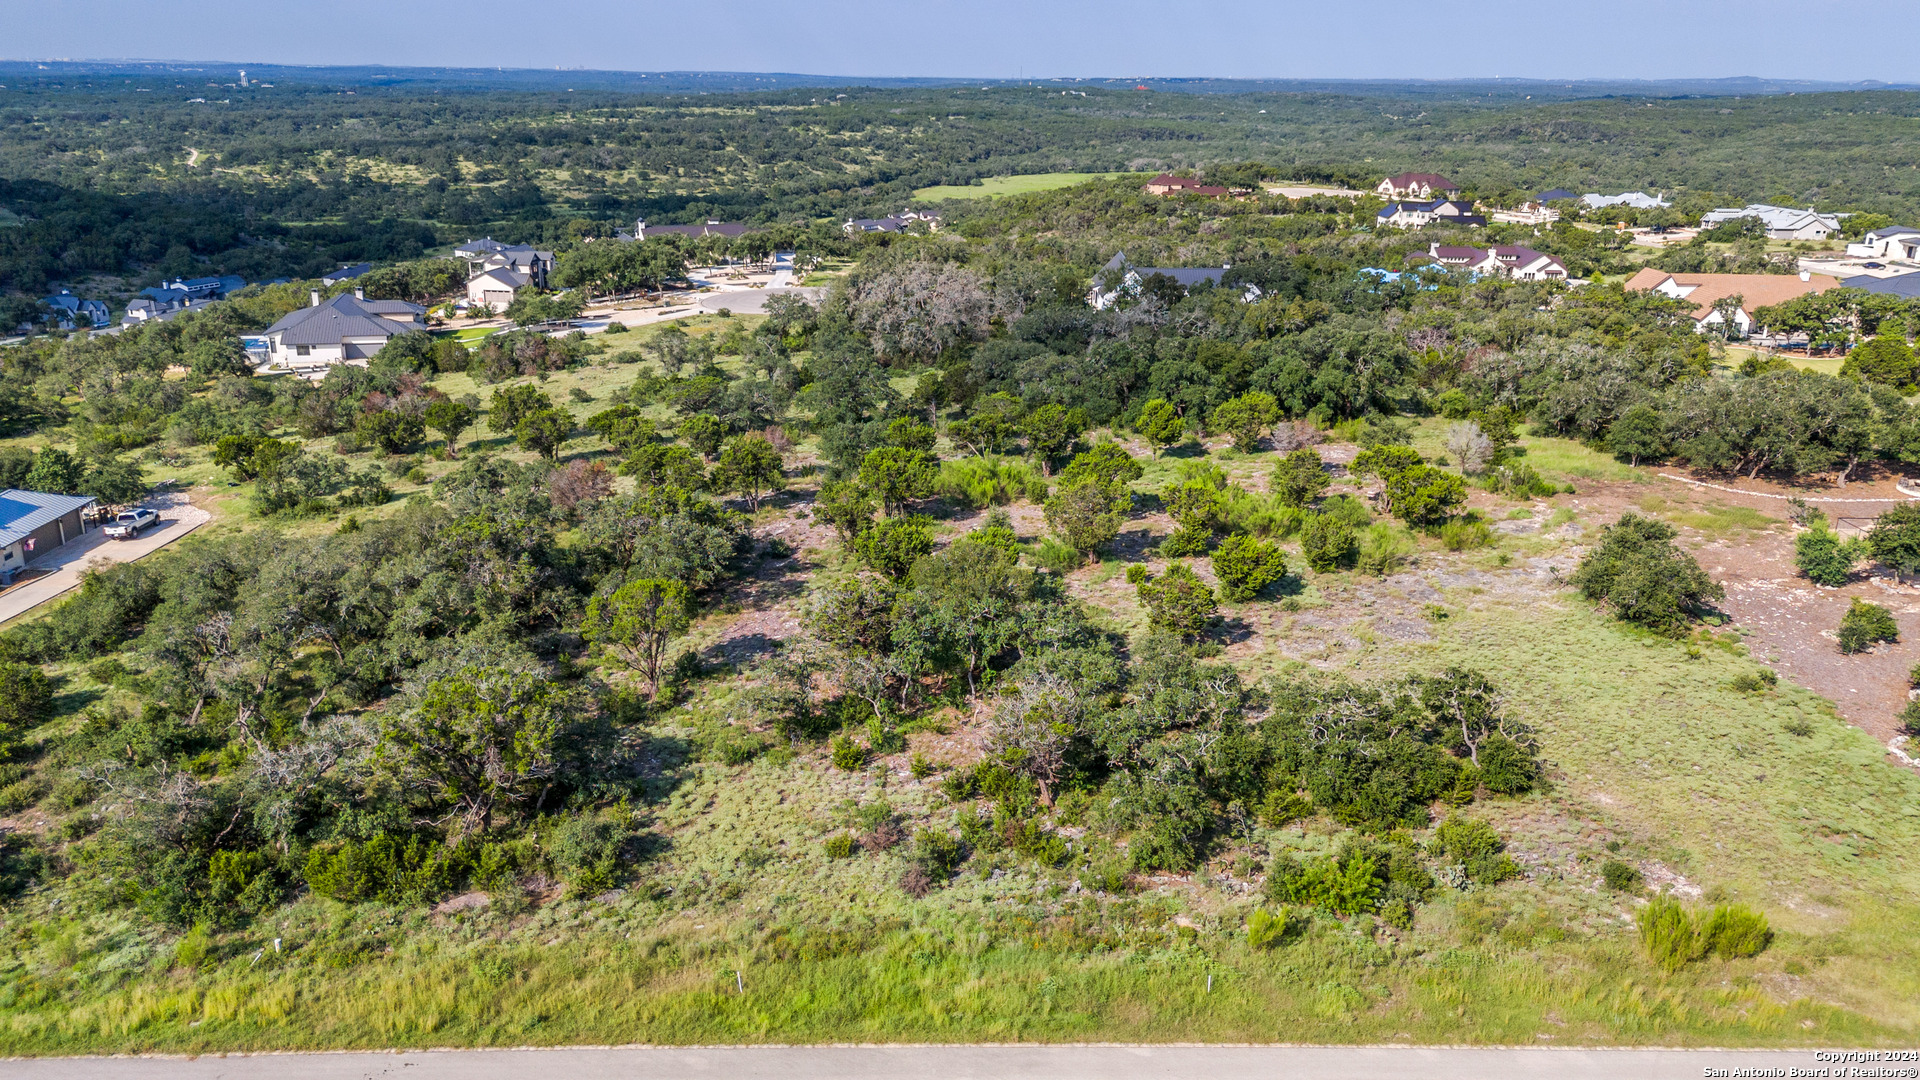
1818,39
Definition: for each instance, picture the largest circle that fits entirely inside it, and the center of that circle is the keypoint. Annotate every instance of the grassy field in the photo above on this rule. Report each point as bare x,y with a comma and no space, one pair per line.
741,929
1008,185
1652,754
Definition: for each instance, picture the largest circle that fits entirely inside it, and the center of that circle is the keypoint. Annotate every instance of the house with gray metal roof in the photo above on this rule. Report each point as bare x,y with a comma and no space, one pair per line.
346,272
347,329
1121,278
1907,285
1781,222
33,523
1893,242
490,254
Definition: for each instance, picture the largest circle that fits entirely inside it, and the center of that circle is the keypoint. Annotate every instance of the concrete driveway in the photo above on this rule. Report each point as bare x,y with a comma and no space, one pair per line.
67,562
754,301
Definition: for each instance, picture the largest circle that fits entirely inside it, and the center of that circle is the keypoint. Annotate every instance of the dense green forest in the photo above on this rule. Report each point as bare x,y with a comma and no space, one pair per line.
164,175
945,658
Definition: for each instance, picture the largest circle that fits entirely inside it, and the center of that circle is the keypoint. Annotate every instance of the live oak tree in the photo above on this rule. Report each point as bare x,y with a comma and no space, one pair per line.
1299,478
1639,433
450,418
1638,572
1084,516
1178,601
897,476
544,431
1894,539
751,466
1247,418
624,427
704,433
479,738
1328,543
1051,431
1161,423
894,544
1245,565
1107,465
511,404
637,622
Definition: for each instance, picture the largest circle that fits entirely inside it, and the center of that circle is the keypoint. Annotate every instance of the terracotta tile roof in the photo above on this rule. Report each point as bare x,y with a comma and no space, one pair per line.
1755,290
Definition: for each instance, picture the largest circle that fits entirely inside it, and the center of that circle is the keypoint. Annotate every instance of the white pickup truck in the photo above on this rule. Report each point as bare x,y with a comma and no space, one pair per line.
131,523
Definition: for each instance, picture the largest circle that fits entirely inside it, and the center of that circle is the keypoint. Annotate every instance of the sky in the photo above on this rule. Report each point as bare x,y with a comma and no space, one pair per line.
1810,39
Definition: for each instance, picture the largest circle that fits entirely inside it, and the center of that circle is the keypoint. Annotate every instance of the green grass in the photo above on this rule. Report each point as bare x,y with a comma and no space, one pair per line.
1648,749
1652,758
1009,185
1715,519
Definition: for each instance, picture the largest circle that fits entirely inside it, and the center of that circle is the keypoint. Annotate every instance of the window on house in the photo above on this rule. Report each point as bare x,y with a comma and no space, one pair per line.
302,350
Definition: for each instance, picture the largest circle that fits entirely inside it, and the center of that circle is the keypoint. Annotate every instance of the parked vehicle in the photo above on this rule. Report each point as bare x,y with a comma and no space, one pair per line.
131,523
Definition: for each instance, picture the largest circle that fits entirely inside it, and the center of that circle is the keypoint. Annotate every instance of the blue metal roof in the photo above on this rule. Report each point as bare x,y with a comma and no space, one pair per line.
1897,285
21,512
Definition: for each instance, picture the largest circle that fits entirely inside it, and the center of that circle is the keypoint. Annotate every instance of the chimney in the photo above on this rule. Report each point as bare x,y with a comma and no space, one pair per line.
1806,275
313,295
359,292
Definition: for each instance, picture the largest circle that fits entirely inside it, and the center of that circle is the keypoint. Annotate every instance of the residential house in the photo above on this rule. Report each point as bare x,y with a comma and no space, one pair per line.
1553,195
1892,242
70,312
1168,184
491,254
1633,200
1121,278
1419,186
1417,215
1781,222
160,305
1907,285
1527,213
1707,291
206,288
892,223
346,273
495,288
33,523
728,229
347,329
1505,260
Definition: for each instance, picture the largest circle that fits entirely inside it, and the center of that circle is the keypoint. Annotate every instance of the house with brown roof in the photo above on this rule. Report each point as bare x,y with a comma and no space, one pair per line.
1708,292
1424,186
1504,260
1168,184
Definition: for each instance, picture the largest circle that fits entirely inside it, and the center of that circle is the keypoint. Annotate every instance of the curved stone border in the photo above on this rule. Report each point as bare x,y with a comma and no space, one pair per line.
1783,498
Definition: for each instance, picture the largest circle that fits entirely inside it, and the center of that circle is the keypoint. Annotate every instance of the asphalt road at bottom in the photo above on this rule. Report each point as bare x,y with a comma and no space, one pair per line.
1102,1062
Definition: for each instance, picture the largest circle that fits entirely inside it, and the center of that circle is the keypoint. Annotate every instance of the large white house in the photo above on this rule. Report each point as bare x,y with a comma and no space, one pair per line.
1633,200
491,254
1719,298
1781,222
1417,185
347,329
1893,242
1504,260
1416,215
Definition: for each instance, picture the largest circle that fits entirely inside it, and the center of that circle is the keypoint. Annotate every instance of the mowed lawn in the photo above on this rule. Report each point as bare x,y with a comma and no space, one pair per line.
1009,185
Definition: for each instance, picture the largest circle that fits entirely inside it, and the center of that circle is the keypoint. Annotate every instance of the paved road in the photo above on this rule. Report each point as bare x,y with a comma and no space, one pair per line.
934,1063
69,560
